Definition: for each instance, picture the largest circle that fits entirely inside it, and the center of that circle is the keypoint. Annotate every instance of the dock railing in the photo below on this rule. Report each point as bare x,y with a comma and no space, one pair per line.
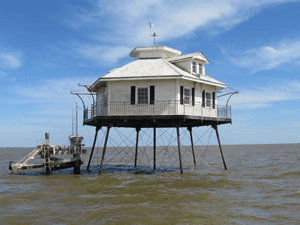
158,108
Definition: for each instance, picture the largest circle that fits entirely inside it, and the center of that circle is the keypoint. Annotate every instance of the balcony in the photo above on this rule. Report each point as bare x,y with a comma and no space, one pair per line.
169,108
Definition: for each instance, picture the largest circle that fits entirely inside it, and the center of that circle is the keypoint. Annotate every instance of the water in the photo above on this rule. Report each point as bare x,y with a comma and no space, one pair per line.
261,186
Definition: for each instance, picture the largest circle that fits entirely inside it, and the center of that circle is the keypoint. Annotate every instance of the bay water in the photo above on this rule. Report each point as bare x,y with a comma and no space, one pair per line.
261,186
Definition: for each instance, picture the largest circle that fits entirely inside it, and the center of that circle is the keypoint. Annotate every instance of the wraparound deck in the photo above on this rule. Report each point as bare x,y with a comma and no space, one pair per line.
160,114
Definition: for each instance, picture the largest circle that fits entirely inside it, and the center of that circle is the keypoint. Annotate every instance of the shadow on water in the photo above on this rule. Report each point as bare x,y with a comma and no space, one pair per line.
108,169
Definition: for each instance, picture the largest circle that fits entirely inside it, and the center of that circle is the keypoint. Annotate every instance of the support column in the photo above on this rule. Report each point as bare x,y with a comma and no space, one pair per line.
220,147
136,145
154,148
179,153
192,144
104,149
92,151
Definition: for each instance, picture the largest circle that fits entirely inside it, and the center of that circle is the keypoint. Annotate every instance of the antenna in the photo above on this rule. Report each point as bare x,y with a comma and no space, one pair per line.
154,35
75,121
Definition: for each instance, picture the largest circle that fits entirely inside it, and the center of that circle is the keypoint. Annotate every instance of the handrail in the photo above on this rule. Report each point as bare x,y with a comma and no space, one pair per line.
158,108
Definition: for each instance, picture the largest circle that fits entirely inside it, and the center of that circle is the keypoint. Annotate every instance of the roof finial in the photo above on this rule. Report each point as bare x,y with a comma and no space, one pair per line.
154,35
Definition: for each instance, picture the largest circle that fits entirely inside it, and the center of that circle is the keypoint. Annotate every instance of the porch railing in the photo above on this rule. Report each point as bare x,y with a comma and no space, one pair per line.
158,108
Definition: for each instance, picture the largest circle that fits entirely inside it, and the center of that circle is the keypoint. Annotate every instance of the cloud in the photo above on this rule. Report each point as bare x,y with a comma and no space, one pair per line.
110,23
52,96
269,57
11,60
104,54
127,21
266,96
45,106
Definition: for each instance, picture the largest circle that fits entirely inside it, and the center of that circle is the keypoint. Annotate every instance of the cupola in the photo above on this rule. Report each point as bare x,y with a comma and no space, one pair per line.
154,52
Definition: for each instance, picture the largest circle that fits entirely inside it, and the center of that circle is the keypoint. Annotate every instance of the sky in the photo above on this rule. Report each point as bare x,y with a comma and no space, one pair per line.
48,47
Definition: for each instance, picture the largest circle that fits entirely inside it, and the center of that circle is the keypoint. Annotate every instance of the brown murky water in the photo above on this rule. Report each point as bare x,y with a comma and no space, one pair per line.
261,186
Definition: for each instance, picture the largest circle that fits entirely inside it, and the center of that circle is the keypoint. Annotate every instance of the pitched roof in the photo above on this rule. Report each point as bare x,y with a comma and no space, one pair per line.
196,55
153,69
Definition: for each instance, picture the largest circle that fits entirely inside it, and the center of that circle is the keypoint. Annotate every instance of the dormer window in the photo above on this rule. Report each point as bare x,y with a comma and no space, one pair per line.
197,68
194,67
200,67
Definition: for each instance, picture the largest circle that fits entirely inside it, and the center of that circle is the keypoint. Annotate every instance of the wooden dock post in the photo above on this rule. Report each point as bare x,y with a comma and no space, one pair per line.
192,144
104,149
136,146
46,150
220,147
92,151
47,160
77,165
179,153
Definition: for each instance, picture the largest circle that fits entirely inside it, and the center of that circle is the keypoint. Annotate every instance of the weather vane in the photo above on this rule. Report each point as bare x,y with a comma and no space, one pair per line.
154,35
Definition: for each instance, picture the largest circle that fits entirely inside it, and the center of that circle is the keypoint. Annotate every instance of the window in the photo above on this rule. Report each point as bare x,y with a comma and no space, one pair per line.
194,69
208,99
187,95
132,95
142,95
193,96
181,95
214,99
200,67
152,95
203,98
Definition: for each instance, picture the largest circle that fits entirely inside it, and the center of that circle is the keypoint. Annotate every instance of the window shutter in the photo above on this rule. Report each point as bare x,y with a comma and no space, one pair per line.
152,94
193,96
214,99
132,95
203,98
181,95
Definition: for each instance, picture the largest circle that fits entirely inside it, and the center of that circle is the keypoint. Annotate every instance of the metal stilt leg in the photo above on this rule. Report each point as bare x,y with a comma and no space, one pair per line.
179,153
92,151
192,144
220,147
104,149
136,145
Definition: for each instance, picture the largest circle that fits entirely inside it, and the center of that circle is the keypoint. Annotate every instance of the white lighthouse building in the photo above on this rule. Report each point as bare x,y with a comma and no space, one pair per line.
160,81
159,88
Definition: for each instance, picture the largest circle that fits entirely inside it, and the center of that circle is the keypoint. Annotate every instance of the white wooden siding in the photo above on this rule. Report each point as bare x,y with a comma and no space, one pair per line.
167,99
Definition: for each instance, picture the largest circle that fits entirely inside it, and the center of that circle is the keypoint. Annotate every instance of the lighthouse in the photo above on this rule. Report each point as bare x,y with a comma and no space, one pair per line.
160,88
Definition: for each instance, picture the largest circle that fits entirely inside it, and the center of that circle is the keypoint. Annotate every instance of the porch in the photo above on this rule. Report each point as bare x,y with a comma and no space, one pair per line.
160,114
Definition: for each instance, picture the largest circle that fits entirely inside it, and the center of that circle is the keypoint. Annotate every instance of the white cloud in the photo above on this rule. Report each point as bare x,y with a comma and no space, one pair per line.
266,96
45,106
10,59
127,21
269,57
113,22
104,54
51,96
